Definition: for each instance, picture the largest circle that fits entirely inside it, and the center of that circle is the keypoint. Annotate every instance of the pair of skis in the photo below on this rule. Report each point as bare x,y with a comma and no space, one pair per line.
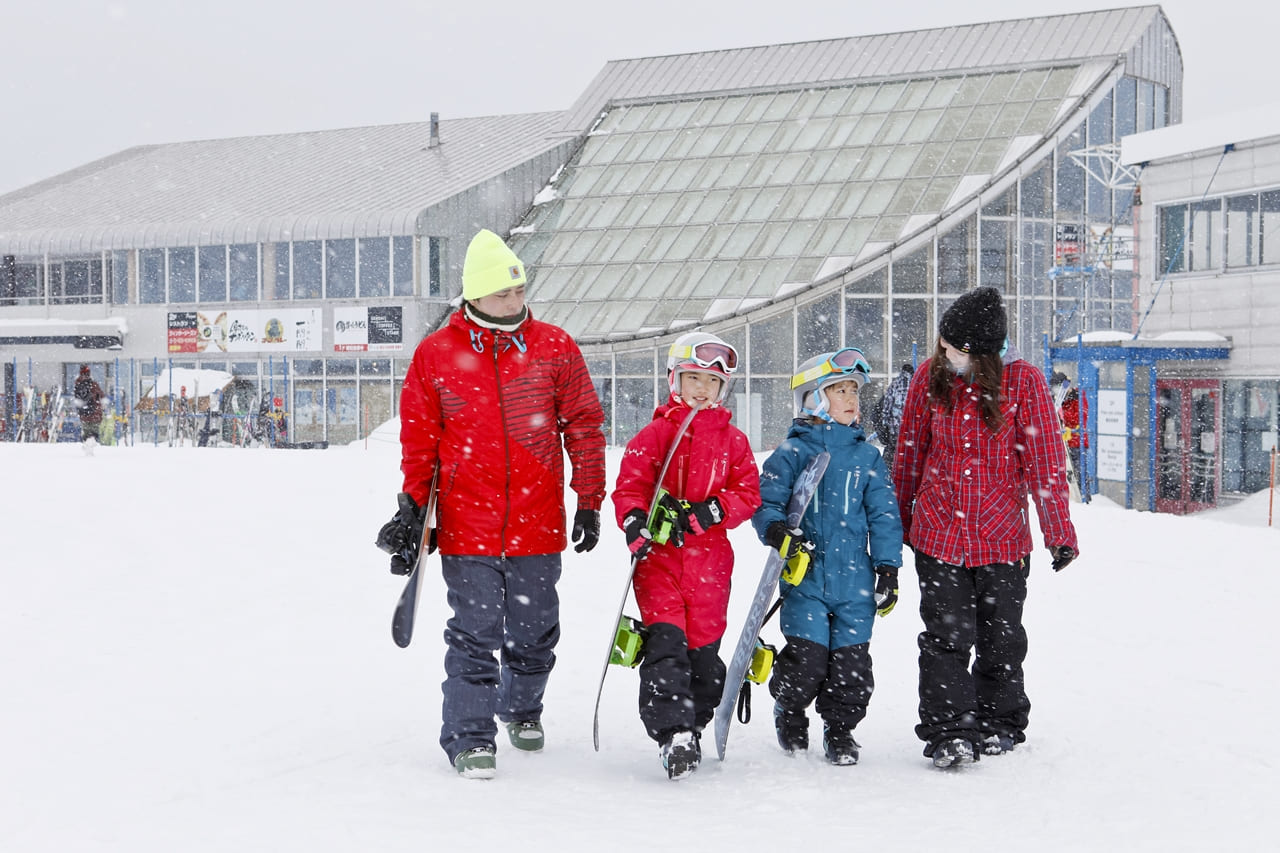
1060,397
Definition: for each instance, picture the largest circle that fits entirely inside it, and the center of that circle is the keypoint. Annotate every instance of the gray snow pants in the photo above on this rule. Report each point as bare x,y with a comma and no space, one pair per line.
500,604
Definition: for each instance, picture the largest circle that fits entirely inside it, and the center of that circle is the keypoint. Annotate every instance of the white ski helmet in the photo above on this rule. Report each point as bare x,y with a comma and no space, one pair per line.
823,370
703,352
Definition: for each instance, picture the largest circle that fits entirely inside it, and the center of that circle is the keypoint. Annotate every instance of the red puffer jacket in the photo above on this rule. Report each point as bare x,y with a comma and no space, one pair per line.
490,408
1075,412
714,458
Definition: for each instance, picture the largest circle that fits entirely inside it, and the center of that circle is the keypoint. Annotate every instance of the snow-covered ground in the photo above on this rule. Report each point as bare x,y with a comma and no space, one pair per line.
195,655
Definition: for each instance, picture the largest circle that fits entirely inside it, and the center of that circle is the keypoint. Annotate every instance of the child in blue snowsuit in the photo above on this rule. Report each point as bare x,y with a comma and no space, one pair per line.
854,536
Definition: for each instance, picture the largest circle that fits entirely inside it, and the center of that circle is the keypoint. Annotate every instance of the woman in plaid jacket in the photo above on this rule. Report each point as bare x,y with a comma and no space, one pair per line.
979,433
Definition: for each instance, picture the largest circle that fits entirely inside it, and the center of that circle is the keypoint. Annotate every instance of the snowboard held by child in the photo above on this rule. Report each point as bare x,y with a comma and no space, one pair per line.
854,537
681,580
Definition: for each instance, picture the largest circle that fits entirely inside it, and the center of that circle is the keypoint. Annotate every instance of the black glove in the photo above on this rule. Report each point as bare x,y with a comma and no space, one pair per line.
1062,556
635,525
789,542
701,516
886,589
586,529
400,536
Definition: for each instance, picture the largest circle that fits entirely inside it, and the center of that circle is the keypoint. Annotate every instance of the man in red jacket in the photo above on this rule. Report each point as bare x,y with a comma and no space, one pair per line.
490,404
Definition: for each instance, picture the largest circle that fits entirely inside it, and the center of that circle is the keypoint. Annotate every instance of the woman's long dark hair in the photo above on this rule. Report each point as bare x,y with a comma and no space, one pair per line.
985,371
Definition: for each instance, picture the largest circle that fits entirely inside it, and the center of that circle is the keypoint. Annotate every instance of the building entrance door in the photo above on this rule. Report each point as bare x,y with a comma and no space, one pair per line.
1188,412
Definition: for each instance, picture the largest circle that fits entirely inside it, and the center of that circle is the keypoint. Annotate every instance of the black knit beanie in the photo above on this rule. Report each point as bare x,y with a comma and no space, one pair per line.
976,323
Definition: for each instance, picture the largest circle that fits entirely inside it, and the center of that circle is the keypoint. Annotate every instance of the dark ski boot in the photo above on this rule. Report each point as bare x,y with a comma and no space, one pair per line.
953,751
792,728
840,747
680,754
997,744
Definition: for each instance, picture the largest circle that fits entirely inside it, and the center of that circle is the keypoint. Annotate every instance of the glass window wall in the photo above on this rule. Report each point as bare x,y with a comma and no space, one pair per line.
213,273
182,274
242,265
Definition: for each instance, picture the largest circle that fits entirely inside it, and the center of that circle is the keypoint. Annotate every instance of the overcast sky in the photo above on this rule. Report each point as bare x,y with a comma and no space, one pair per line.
85,79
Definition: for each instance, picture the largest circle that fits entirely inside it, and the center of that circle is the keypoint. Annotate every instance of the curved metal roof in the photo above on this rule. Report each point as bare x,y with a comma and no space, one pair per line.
943,50
363,181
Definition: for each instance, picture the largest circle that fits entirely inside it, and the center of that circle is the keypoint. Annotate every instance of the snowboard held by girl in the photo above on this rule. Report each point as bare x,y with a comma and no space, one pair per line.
681,580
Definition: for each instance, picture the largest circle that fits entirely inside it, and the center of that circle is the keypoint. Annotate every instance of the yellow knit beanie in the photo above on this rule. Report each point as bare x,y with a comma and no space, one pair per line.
489,267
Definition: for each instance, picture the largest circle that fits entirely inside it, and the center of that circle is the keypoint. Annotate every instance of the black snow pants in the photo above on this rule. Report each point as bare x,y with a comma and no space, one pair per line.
976,610
838,682
680,687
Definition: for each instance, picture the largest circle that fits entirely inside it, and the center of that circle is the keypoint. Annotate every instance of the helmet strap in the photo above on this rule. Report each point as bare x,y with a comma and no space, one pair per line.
820,411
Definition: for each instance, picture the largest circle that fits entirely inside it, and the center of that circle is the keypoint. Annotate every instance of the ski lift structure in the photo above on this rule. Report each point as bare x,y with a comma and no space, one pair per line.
1083,250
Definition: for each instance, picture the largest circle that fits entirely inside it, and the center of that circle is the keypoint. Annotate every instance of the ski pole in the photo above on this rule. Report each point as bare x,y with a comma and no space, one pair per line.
1271,499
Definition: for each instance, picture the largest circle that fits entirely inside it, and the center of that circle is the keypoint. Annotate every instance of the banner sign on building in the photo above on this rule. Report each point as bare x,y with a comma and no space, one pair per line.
288,330
1113,440
368,329
1113,457
1113,411
182,332
1067,248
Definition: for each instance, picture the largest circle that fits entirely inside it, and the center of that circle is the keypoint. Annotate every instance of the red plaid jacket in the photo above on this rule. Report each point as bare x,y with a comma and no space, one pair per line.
962,489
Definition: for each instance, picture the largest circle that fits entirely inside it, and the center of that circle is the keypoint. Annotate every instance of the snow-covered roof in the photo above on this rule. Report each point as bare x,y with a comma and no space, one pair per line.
1190,338
199,383
23,327
1214,132
352,182
1189,335
1105,336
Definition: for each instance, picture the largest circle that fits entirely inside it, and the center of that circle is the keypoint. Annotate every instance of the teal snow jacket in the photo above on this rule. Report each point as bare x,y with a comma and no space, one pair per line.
852,521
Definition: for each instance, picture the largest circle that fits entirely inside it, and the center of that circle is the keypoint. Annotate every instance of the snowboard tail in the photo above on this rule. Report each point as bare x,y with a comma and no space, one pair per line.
801,494
407,607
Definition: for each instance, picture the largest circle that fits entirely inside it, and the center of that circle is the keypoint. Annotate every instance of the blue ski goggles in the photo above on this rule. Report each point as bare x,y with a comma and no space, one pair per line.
707,354
841,362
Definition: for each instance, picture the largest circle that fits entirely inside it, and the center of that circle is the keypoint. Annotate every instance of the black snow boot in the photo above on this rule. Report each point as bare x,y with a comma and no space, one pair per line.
840,747
953,751
997,744
792,728
680,754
